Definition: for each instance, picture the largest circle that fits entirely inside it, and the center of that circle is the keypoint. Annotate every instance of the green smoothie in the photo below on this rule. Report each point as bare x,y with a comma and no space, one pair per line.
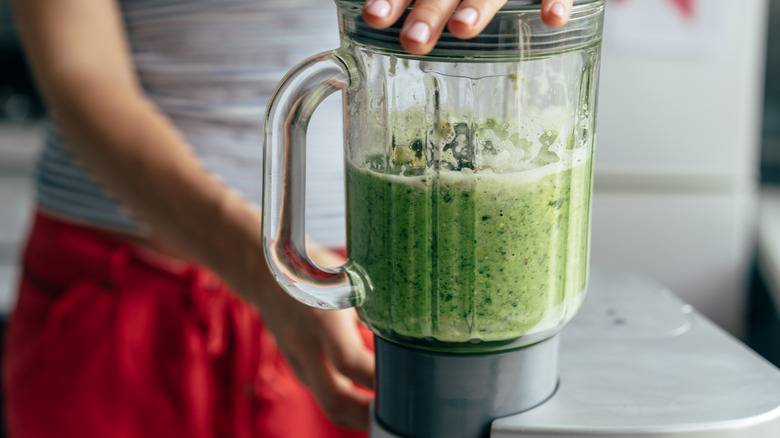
459,255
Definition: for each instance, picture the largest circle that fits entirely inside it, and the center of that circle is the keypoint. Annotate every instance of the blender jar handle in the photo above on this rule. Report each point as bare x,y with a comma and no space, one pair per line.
284,242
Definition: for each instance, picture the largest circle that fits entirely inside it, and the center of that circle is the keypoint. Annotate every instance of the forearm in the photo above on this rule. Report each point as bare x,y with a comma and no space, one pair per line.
143,161
80,55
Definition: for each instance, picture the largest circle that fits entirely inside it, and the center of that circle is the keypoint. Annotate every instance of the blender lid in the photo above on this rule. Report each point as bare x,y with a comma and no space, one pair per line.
516,31
510,4
516,4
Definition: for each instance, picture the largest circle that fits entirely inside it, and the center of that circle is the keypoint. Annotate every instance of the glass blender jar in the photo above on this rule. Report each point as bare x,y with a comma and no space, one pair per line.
468,180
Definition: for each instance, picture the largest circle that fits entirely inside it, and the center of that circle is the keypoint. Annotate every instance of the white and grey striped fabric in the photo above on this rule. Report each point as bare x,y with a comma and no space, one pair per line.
211,66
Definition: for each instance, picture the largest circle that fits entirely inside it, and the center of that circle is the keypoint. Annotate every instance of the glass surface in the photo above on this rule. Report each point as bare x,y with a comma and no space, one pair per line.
468,196
468,179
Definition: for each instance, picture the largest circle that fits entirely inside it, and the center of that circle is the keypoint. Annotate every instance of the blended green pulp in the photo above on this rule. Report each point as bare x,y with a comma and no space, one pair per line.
464,257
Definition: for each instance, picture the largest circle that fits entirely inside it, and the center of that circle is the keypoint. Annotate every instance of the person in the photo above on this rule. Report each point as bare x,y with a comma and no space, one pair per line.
145,306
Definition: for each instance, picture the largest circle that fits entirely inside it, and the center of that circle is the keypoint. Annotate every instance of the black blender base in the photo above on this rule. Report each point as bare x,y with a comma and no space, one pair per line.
437,395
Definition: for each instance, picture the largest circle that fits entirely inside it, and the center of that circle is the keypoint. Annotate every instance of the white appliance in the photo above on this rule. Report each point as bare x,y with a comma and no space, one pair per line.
677,147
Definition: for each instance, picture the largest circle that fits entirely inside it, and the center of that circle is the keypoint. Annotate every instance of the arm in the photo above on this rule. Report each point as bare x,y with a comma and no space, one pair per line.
79,55
465,19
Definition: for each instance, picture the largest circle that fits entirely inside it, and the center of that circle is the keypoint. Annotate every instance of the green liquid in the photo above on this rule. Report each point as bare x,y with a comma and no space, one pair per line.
468,258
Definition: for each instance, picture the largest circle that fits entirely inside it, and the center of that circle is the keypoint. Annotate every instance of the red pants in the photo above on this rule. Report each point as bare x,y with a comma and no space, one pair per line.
108,340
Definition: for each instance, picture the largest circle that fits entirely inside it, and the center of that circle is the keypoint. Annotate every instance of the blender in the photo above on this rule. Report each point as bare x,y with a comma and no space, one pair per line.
468,182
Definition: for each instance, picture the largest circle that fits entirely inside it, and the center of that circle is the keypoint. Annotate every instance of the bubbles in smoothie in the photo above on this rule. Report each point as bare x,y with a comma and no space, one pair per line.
539,145
471,231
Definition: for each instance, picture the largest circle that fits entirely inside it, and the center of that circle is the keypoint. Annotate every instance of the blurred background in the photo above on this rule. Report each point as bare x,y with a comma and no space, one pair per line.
687,165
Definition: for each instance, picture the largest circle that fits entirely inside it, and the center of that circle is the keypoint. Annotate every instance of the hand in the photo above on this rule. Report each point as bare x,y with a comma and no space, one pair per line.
325,349
465,19
327,353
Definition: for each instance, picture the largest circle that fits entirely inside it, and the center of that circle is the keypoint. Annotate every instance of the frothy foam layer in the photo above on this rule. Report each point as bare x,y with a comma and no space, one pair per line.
573,159
535,147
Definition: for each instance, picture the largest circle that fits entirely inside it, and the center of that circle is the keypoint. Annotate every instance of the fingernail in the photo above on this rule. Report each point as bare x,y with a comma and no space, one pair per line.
559,10
419,32
466,16
379,8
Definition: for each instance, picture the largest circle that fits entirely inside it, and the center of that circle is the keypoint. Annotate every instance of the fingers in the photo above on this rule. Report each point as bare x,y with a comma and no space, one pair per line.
555,13
341,402
383,13
421,28
347,350
347,362
467,18
472,16
325,350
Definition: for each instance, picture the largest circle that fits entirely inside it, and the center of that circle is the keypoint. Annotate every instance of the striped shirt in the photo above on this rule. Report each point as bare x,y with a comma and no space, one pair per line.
211,66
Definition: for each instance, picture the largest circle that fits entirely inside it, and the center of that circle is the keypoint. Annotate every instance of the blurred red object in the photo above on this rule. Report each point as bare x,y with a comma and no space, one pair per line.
109,341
